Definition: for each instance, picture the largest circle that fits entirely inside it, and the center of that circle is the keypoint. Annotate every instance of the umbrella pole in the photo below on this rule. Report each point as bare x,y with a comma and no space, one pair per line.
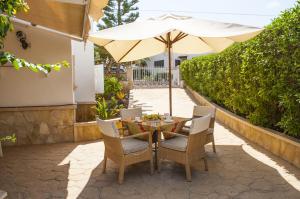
169,45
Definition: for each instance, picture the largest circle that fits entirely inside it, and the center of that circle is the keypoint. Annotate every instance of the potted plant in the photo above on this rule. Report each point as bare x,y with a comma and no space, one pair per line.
107,109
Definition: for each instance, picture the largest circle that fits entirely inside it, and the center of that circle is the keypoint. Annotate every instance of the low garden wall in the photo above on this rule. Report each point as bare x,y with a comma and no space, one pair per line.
86,131
85,112
281,145
89,131
38,125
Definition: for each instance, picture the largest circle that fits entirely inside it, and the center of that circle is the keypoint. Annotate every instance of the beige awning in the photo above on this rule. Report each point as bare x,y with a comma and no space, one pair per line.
66,16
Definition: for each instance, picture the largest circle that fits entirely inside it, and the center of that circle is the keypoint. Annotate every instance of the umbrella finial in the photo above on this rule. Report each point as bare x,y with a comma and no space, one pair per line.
170,16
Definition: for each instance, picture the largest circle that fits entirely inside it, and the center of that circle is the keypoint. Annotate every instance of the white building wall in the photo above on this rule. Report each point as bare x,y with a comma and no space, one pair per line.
83,58
175,69
26,88
99,78
164,56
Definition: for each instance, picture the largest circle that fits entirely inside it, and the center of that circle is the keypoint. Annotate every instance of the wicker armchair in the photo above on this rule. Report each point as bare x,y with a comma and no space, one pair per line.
200,111
186,149
124,151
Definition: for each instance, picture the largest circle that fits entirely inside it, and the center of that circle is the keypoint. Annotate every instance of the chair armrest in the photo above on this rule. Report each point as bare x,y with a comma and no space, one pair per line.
115,119
176,134
188,120
122,128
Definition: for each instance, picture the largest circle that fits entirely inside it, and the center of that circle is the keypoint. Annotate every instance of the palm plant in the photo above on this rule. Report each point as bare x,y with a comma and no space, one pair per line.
108,109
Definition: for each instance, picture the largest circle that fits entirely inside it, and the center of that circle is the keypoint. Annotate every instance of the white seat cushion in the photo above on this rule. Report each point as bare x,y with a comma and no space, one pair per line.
178,143
132,145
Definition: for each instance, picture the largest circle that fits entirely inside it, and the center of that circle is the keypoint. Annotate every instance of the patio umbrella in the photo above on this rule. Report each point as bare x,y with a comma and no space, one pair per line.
171,33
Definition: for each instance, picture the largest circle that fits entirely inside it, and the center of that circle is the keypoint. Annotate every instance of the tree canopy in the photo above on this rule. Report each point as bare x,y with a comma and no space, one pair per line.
117,12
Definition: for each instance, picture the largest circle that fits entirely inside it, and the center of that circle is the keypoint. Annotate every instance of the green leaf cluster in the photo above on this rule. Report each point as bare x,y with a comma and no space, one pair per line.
17,63
107,105
107,109
111,87
258,79
9,8
11,138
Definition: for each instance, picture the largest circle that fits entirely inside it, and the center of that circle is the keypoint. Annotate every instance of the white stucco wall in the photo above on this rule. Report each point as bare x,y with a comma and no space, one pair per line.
83,58
26,88
99,78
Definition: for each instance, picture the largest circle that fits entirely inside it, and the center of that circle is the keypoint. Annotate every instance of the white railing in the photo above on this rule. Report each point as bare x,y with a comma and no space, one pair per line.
154,77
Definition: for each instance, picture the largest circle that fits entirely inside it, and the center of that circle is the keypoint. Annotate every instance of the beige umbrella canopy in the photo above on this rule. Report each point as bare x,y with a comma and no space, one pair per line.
179,34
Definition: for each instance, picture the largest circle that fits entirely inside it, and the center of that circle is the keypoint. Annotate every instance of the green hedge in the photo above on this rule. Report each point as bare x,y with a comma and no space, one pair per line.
258,79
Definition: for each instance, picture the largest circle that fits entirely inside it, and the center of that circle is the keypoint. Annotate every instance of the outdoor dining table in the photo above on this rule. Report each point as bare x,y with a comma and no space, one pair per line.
158,126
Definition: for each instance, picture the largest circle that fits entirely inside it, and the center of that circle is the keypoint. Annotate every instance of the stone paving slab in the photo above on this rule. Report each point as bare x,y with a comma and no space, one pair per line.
239,170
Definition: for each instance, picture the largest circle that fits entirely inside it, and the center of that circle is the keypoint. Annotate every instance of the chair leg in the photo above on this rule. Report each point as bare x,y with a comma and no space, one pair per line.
151,166
121,172
205,164
151,162
1,153
158,165
104,163
213,144
188,172
158,162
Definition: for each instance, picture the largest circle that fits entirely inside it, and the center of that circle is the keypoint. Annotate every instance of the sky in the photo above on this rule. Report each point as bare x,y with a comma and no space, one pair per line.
248,12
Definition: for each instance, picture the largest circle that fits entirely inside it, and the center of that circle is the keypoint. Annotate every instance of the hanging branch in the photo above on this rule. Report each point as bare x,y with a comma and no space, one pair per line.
17,63
8,9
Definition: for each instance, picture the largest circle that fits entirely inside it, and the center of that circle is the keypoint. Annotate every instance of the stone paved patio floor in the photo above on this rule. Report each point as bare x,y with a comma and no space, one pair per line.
239,169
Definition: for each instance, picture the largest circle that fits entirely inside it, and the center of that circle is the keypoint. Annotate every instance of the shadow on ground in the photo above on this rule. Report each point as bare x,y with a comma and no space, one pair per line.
233,173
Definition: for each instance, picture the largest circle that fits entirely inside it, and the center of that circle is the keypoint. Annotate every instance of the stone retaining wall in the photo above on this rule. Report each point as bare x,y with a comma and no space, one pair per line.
279,144
38,125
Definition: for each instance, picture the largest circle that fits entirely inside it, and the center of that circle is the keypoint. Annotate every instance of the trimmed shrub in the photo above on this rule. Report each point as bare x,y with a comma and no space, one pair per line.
258,79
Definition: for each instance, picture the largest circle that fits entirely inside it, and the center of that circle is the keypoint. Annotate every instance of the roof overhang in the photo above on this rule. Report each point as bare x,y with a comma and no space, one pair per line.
69,17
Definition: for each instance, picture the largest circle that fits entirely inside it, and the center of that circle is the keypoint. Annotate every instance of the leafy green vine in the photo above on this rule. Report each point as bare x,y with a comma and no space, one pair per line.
8,9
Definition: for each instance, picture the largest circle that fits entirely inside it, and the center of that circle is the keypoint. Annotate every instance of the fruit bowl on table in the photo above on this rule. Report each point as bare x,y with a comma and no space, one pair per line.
152,118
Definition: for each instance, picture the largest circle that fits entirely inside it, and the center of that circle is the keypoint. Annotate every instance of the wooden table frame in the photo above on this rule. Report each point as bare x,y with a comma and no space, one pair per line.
156,128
